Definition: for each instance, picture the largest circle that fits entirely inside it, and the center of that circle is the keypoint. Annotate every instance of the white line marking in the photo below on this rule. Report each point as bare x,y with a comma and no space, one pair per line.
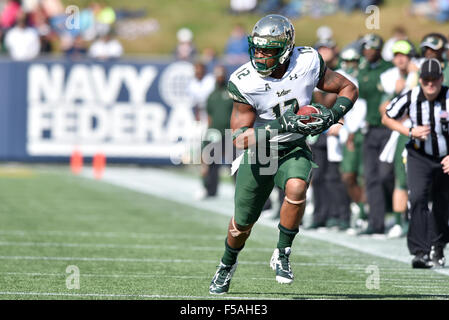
154,260
146,275
117,246
151,296
62,233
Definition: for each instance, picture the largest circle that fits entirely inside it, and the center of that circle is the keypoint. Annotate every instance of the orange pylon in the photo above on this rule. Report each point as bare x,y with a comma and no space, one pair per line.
76,162
99,164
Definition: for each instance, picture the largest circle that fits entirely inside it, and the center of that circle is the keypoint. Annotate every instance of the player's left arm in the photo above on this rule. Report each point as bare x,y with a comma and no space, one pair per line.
347,94
334,82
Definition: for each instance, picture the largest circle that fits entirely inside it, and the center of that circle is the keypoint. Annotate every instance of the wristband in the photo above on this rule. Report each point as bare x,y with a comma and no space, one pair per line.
410,133
341,106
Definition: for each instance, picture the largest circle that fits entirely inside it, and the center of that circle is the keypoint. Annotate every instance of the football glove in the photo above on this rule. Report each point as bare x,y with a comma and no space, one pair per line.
291,122
325,119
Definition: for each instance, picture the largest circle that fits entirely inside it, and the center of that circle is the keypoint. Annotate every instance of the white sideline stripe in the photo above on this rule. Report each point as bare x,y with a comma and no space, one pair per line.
153,260
139,276
107,234
114,246
145,260
140,246
160,183
111,295
92,275
148,275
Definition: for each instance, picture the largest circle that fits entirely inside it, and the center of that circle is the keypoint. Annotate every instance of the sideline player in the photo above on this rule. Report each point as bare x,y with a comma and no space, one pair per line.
267,92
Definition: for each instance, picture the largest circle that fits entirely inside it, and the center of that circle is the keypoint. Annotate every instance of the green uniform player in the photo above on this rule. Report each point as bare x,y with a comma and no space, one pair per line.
433,45
267,92
219,109
394,82
351,166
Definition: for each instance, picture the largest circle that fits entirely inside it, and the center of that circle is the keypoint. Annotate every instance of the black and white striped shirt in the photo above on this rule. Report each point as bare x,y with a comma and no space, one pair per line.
423,112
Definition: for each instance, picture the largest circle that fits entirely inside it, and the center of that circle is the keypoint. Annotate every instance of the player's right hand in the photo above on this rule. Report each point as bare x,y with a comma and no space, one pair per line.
291,122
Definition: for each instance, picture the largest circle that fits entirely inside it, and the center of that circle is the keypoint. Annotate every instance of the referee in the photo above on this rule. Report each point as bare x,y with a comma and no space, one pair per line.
427,163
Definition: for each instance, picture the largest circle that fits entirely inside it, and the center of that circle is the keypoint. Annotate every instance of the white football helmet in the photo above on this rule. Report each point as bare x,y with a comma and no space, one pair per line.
273,32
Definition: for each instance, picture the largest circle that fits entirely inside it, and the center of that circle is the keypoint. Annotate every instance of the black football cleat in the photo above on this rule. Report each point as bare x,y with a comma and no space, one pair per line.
437,256
422,261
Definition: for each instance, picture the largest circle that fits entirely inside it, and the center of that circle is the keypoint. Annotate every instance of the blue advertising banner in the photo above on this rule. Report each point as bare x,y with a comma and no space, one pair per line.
131,111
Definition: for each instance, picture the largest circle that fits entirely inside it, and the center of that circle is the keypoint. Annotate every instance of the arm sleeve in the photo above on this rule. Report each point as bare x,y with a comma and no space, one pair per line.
319,67
399,105
236,94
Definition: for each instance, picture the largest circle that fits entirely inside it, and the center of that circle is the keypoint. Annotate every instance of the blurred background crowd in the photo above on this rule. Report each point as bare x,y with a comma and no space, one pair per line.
29,28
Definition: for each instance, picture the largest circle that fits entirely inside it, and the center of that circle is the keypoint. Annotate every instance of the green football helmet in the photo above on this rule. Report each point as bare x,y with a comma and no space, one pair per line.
271,32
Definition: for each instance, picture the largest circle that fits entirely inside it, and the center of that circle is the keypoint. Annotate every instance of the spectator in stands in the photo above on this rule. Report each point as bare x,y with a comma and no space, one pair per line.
350,5
56,14
105,18
399,33
293,9
39,20
443,11
209,58
242,6
77,50
22,42
10,13
236,51
106,48
185,49
269,6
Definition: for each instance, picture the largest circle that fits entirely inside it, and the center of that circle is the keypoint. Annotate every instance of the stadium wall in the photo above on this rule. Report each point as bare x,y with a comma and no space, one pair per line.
131,111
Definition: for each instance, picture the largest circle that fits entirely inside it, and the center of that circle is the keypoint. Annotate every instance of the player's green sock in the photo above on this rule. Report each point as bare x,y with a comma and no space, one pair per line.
362,210
398,218
230,254
286,236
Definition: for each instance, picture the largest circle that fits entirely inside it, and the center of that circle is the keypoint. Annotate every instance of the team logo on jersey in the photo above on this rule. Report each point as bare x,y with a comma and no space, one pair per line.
295,76
267,87
283,92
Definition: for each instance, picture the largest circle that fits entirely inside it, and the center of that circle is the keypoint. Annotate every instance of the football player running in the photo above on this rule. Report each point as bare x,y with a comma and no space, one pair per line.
267,92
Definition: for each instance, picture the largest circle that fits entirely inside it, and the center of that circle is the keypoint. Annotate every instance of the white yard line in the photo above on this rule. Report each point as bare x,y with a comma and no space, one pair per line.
195,261
62,233
140,296
160,183
147,275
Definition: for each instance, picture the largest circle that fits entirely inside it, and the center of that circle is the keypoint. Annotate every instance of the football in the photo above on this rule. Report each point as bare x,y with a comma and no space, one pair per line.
306,110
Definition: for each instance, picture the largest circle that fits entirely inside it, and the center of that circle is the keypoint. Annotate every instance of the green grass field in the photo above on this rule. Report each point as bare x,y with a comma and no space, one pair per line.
130,245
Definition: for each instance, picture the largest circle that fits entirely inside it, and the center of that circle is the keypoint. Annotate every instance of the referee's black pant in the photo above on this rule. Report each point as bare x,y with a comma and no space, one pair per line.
426,182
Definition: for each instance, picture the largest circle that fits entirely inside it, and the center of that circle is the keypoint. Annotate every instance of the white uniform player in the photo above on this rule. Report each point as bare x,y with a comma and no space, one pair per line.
267,93
271,97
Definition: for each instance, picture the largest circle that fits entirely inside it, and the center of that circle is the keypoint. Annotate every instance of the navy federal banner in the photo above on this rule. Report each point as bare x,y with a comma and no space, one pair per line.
131,111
